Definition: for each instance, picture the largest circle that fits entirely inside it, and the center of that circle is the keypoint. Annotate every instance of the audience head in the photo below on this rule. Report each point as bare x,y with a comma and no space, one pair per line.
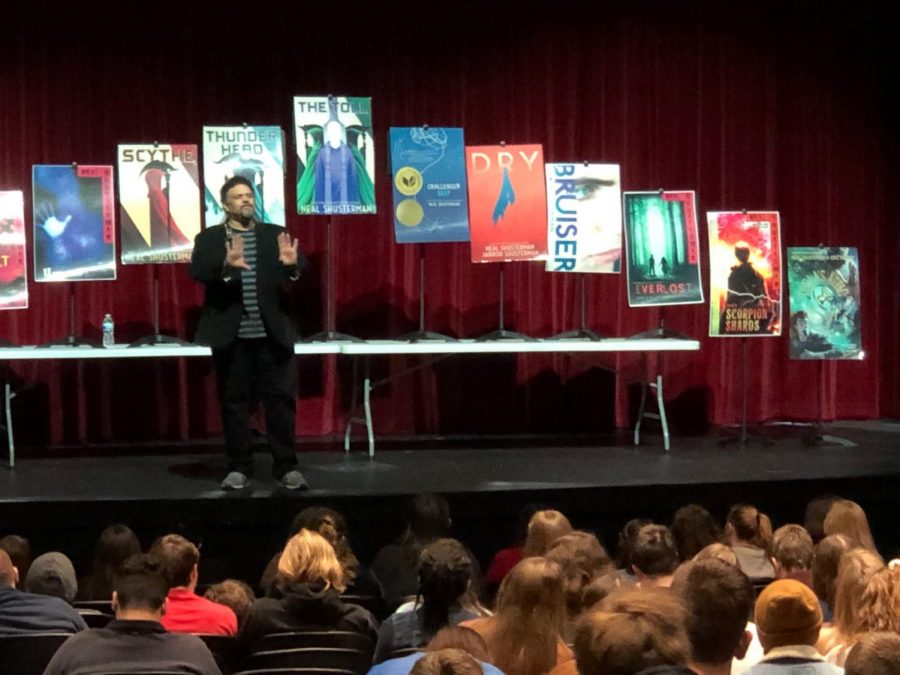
874,654
719,599
626,541
582,559
308,558
854,571
792,549
447,662
632,629
9,574
116,544
19,551
826,558
787,613
816,510
544,528
721,552
693,528
653,554
460,637
179,558
846,517
880,603
52,574
429,517
234,594
746,525
333,526
140,585
445,572
598,589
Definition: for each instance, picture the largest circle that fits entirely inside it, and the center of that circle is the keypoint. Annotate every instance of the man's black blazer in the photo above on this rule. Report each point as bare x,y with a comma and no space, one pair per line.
223,304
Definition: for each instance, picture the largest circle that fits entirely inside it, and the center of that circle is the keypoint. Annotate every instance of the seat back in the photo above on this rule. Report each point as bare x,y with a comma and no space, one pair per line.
295,671
326,638
95,619
28,654
329,658
104,606
224,650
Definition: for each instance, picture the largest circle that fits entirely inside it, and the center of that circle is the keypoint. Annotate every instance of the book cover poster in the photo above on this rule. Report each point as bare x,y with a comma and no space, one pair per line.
74,223
159,202
823,288
584,210
744,273
335,155
13,278
507,202
428,166
662,248
257,154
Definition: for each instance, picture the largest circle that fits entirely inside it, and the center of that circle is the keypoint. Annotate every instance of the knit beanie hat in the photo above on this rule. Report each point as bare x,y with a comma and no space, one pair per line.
52,574
787,613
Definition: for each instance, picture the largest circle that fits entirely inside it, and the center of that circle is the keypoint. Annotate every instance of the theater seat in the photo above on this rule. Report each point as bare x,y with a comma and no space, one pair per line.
28,654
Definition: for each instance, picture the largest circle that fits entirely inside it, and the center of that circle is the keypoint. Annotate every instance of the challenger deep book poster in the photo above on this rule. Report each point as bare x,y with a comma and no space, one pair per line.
13,278
584,213
662,248
159,202
74,223
507,202
823,289
428,168
254,152
744,273
335,155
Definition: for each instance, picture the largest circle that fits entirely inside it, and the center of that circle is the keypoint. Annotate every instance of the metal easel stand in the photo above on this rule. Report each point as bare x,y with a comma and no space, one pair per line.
157,338
421,334
8,396
817,435
582,332
744,437
72,340
501,333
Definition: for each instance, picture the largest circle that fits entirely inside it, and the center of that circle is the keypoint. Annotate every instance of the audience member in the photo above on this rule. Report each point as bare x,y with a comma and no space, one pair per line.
792,554
826,557
136,641
505,559
816,511
598,589
234,594
624,545
22,612
447,662
582,559
721,552
875,654
449,637
846,517
693,529
653,556
187,612
544,528
52,574
745,532
19,550
879,607
116,544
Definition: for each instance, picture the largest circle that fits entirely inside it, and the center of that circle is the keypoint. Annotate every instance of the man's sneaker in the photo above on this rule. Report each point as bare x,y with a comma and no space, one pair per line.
235,480
293,480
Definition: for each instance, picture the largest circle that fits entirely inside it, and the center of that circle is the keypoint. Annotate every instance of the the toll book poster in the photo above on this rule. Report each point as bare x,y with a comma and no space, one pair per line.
255,153
507,202
823,286
13,281
744,273
428,166
584,213
335,155
159,202
662,248
74,223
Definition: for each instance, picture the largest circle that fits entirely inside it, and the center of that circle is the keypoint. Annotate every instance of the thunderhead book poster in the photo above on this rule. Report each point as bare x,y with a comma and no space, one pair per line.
13,281
335,155
428,167
253,152
507,202
662,248
744,273
584,213
823,287
159,202
74,223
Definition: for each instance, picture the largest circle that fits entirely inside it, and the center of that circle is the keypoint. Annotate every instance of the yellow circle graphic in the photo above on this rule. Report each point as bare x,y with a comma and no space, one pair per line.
409,213
408,181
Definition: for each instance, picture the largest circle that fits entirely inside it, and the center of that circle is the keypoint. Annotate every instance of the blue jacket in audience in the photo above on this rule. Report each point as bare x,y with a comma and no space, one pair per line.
22,612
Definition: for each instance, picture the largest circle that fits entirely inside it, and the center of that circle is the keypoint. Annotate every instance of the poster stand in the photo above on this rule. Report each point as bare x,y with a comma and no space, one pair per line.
422,334
744,438
329,334
660,332
501,333
156,338
72,340
817,435
582,332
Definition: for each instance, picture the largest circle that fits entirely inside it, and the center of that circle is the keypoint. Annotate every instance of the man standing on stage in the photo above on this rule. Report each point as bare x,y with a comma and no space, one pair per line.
245,267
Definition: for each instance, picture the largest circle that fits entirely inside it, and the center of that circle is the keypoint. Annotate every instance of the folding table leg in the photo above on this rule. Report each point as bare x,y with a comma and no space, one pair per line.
7,400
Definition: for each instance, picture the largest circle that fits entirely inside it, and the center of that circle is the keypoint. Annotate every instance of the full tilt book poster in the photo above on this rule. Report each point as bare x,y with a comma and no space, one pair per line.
584,210
744,273
823,286
662,248
507,202
74,223
428,165
159,200
335,155
257,154
13,282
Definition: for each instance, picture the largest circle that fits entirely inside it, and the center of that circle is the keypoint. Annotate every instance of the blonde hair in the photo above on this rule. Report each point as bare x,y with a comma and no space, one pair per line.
308,557
544,528
846,517
721,552
854,571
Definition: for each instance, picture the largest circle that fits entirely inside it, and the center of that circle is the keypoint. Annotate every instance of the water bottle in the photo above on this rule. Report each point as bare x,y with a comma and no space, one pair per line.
109,339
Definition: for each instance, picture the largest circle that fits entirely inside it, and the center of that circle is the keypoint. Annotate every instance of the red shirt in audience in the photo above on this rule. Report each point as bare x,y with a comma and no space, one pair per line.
187,612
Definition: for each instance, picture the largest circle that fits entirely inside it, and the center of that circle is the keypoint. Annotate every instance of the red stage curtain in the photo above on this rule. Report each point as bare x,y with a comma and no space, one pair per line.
768,106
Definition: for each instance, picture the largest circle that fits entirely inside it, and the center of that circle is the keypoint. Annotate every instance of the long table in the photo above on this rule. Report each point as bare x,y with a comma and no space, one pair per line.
368,349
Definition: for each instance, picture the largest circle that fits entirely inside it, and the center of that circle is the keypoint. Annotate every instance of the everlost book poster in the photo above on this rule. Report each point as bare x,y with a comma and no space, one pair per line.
662,248
584,213
823,289
253,152
159,202
74,223
744,273
507,202
428,168
13,277
335,155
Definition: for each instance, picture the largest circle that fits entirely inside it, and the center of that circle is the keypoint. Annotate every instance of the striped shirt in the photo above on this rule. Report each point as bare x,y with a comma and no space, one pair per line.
252,325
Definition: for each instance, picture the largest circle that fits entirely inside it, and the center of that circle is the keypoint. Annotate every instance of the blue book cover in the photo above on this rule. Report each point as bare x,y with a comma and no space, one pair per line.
428,166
